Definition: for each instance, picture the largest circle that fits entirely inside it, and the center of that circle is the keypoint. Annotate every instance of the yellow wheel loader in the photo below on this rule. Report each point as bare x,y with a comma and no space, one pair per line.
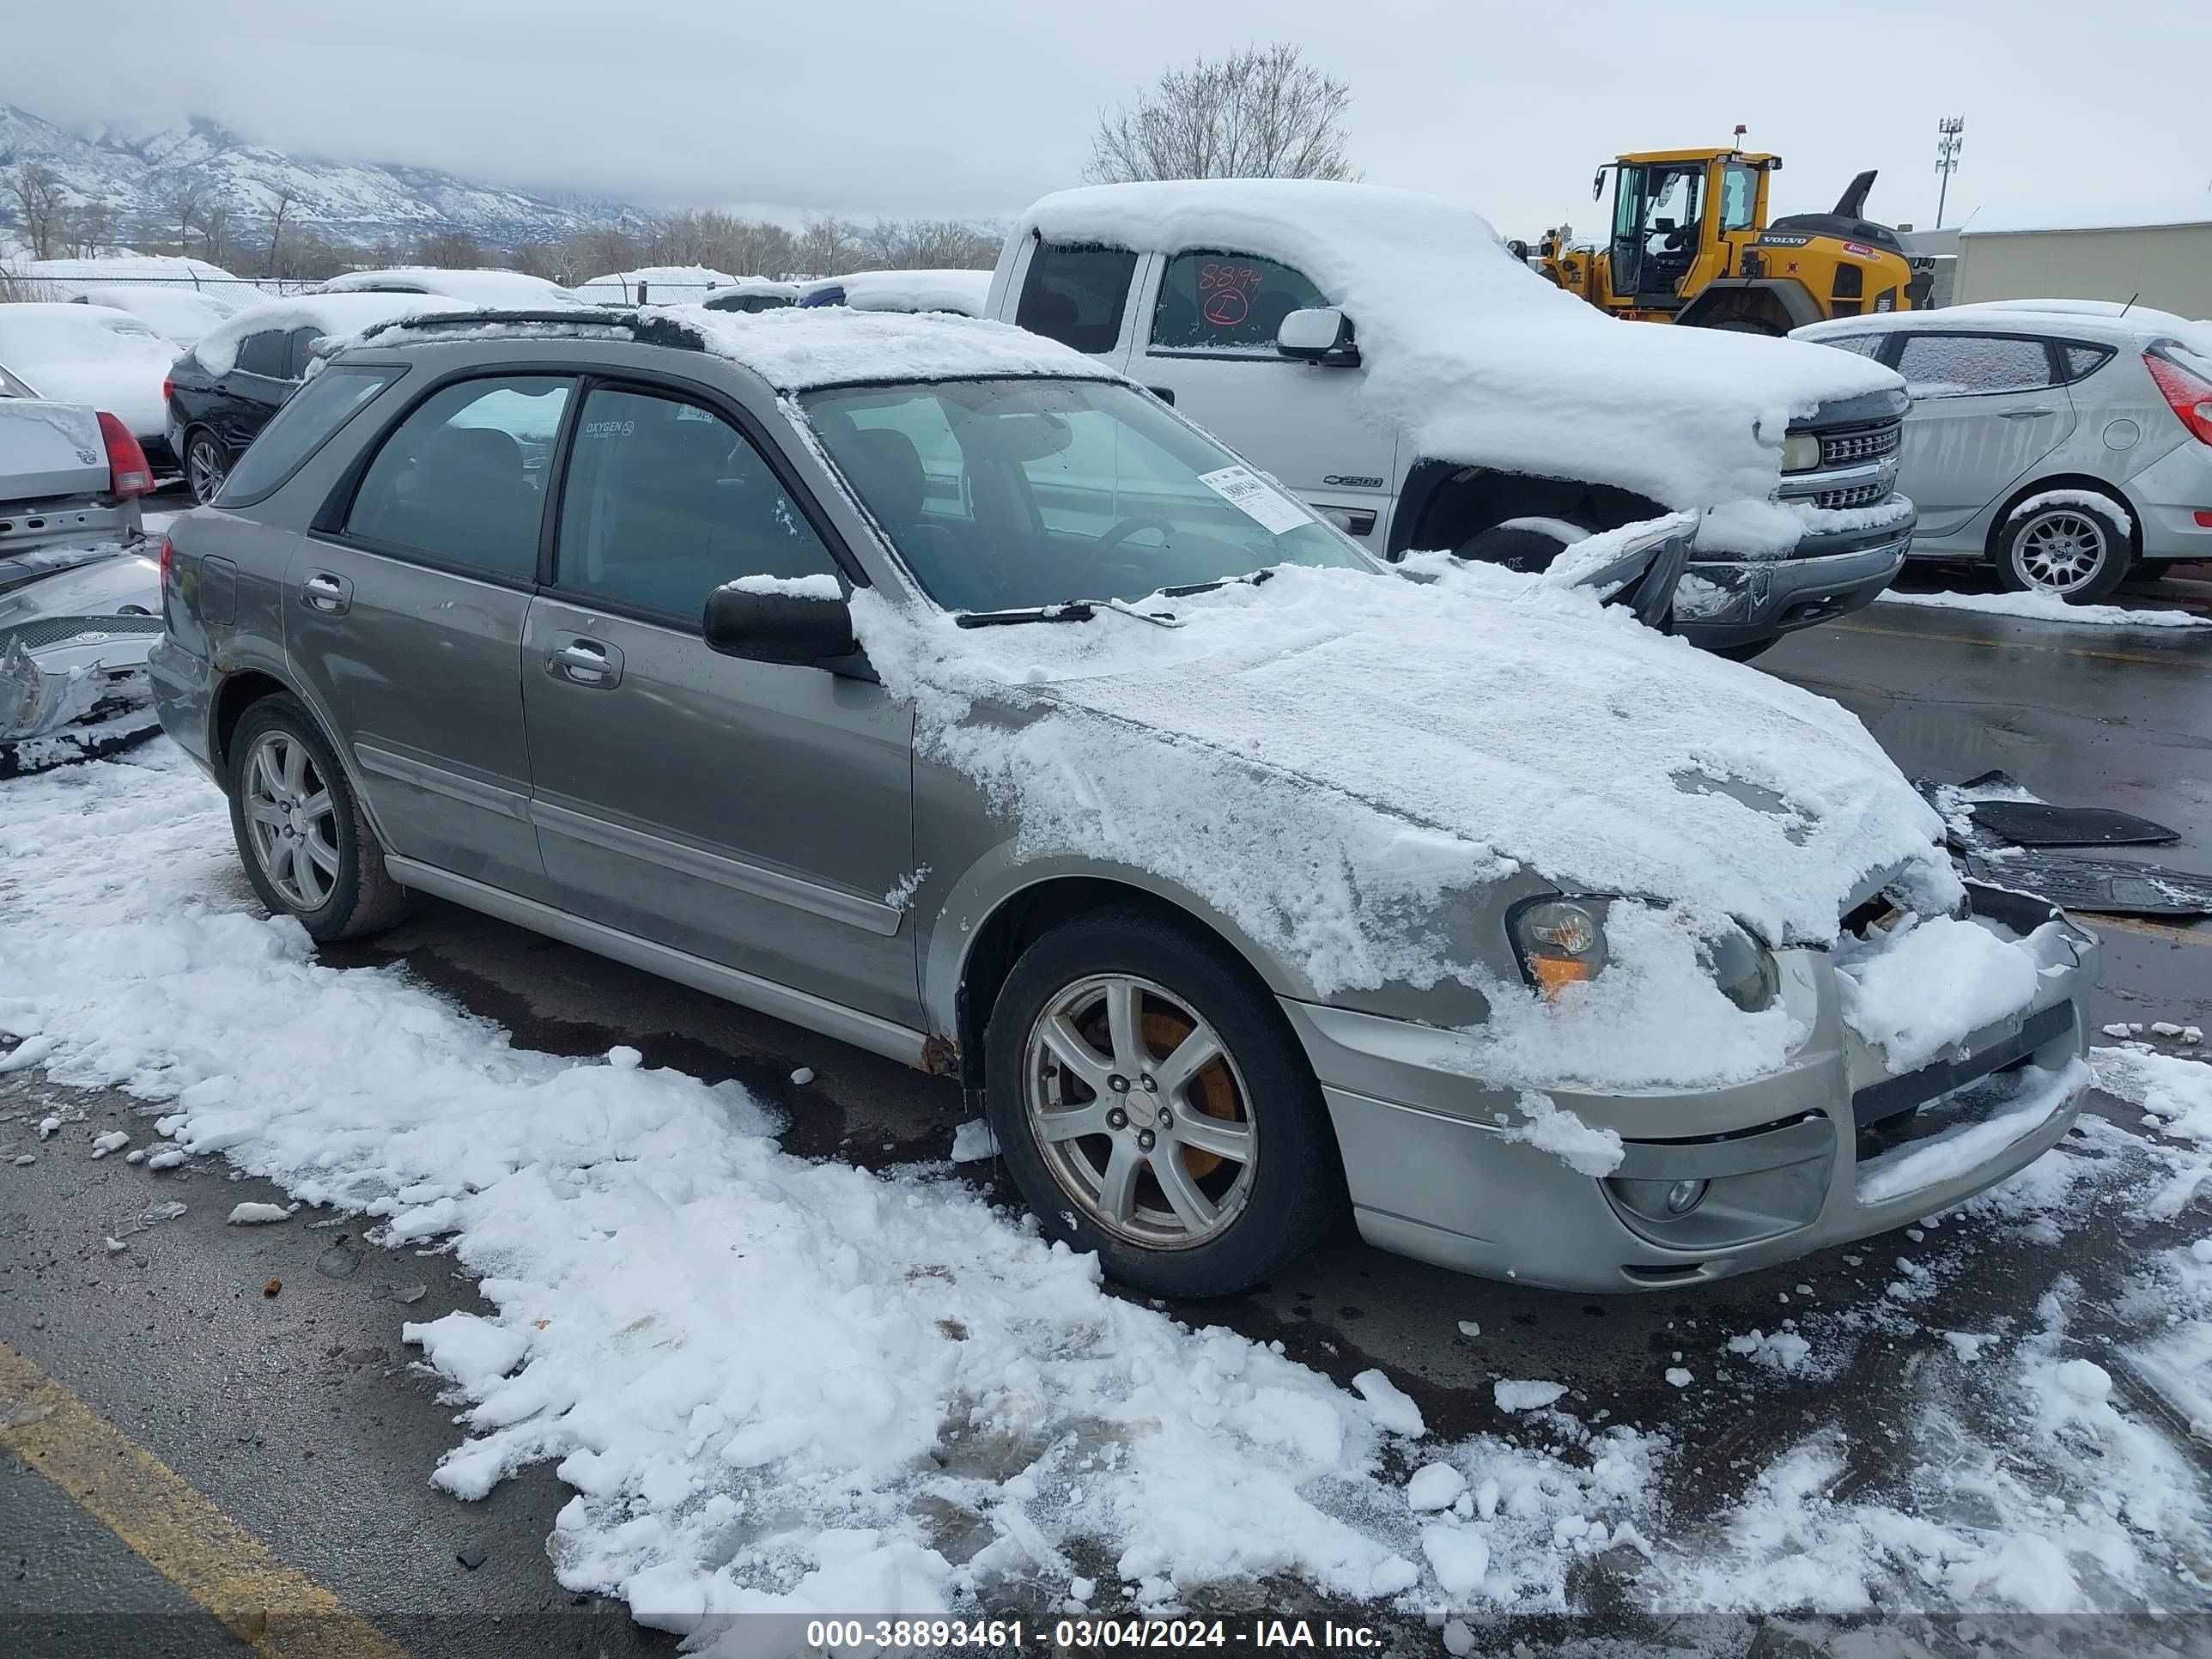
1692,244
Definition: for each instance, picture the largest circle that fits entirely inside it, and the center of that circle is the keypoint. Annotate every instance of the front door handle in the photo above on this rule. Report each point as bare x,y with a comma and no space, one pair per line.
586,663
331,595
2022,414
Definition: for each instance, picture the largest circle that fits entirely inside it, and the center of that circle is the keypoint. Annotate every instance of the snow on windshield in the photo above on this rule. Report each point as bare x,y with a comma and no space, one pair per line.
1337,762
1476,357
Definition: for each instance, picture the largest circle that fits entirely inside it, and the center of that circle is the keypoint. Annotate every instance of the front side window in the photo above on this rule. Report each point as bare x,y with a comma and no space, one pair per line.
1065,490
264,353
1076,294
300,348
665,501
460,481
1971,365
1227,302
1866,346
299,429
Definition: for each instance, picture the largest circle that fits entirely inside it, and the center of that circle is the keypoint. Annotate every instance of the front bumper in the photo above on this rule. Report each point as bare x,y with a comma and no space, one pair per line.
1818,1154
1722,603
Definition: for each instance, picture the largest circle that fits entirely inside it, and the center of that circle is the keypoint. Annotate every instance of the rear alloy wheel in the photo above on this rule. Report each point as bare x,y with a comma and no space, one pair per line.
2073,551
308,847
206,466
1152,1106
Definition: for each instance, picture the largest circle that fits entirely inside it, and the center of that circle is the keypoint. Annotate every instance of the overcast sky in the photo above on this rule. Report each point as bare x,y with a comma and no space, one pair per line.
974,107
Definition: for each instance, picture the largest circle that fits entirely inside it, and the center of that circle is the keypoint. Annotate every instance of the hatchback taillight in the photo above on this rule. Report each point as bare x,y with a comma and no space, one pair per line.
2188,392
168,390
127,471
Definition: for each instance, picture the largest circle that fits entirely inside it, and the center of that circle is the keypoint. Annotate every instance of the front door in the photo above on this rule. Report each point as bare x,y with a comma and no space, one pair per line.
1986,408
1207,338
407,624
754,814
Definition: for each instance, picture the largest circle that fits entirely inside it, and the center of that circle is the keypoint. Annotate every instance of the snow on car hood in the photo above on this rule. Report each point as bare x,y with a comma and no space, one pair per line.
1329,756
1478,358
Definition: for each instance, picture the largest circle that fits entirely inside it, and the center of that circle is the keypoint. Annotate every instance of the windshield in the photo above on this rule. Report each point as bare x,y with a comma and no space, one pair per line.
1005,495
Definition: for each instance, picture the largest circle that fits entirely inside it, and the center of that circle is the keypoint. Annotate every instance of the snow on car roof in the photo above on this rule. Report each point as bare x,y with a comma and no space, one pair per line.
60,331
1477,356
684,283
968,292
480,287
333,313
183,314
2101,319
795,349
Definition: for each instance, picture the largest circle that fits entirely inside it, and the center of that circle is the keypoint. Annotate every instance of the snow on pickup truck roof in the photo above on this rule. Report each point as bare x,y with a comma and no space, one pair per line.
799,350
1479,358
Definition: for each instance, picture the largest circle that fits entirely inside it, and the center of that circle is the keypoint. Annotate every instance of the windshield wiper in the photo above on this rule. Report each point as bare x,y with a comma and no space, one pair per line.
1073,611
1252,580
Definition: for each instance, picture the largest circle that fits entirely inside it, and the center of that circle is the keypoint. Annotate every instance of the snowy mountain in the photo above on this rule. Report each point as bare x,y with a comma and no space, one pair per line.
139,179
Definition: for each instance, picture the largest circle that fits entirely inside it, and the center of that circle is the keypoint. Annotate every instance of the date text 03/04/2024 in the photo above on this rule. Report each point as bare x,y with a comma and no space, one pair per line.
1088,1634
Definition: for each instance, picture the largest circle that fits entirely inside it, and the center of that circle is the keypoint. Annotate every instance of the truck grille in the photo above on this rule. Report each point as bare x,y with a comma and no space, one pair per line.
1859,446
1867,495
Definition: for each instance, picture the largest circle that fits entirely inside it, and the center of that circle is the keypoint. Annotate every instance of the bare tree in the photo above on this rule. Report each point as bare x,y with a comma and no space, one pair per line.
88,230
282,198
600,251
449,250
42,208
186,201
1263,112
214,232
537,259
827,248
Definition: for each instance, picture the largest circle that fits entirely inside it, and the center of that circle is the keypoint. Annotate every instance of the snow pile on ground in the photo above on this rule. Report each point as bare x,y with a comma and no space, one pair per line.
1476,357
2048,607
1337,764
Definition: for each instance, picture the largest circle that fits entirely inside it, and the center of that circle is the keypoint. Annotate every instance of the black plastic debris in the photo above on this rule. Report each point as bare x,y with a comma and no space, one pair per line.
469,1556
2037,823
2078,883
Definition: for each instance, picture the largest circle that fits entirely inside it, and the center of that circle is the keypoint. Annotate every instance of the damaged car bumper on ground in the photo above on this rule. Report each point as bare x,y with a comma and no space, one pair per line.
1711,1182
75,632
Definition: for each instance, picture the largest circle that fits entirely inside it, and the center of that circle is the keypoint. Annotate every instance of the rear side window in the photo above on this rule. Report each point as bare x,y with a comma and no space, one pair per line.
303,426
264,353
1077,295
1972,365
2083,361
665,501
461,480
1227,302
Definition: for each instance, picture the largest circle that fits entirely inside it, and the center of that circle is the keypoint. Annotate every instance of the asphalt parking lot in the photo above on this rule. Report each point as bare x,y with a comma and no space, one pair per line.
263,1369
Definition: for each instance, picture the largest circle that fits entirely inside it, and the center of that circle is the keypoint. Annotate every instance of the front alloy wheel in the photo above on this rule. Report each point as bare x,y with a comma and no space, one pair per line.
1140,1112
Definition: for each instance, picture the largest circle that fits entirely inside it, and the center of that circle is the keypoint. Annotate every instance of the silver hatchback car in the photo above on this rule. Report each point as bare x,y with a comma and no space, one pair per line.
2066,442
920,682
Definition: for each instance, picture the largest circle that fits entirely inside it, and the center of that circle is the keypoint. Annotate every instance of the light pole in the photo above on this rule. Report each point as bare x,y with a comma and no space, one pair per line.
1950,139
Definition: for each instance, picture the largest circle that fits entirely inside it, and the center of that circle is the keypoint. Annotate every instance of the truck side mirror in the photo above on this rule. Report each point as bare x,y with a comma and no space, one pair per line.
1320,334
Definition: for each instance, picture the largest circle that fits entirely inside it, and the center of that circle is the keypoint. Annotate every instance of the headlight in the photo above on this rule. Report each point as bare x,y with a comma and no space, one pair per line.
1561,942
1743,969
1800,452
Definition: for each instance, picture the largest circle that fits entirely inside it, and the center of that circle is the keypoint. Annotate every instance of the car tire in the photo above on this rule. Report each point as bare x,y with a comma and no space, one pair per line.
306,845
2074,552
1216,1179
206,463
1749,650
1528,544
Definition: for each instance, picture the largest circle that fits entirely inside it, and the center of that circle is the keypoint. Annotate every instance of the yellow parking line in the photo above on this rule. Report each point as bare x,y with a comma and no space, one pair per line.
2153,929
191,1543
2175,661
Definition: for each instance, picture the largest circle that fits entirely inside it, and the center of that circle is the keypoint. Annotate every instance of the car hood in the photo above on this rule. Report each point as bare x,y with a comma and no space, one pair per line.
1402,741
1480,361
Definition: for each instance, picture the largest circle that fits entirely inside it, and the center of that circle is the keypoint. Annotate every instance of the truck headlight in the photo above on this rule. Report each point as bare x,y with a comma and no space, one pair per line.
1561,942
1800,452
1742,967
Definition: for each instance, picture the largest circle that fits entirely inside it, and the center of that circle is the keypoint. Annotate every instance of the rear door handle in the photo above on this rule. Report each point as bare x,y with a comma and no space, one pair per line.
2022,414
586,663
331,595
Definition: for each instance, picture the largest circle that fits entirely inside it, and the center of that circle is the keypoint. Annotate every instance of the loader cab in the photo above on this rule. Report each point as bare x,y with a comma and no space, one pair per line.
1680,219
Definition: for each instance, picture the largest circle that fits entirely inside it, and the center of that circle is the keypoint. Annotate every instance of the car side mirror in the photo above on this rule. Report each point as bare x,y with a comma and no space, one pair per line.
805,623
1320,334
1663,224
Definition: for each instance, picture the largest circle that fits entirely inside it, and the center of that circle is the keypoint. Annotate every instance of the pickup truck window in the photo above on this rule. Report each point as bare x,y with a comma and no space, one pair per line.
1212,301
1076,294
1068,490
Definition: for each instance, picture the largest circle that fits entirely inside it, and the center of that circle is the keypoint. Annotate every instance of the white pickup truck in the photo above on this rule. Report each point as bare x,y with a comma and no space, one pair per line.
1387,359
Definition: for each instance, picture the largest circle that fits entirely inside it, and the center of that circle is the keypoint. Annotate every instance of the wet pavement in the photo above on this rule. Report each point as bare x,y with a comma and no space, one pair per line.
299,1414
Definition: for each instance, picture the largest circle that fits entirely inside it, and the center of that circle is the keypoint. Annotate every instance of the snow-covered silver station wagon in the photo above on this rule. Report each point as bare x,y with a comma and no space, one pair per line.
930,686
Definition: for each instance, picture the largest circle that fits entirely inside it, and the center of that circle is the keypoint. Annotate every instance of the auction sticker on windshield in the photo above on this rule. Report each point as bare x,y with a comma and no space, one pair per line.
1257,499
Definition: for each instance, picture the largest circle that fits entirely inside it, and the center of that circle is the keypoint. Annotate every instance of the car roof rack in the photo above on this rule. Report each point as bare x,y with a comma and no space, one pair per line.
647,329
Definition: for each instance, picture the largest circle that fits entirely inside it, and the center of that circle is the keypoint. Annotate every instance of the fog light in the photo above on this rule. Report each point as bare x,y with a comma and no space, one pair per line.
1685,1196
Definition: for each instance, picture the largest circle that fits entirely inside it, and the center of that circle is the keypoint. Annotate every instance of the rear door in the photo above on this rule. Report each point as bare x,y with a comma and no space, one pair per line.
1207,324
1986,409
406,618
754,814
1081,294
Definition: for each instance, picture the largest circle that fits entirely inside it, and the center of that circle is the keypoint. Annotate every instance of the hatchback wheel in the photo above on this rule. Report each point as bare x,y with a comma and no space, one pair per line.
308,848
2076,552
206,466
1152,1106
